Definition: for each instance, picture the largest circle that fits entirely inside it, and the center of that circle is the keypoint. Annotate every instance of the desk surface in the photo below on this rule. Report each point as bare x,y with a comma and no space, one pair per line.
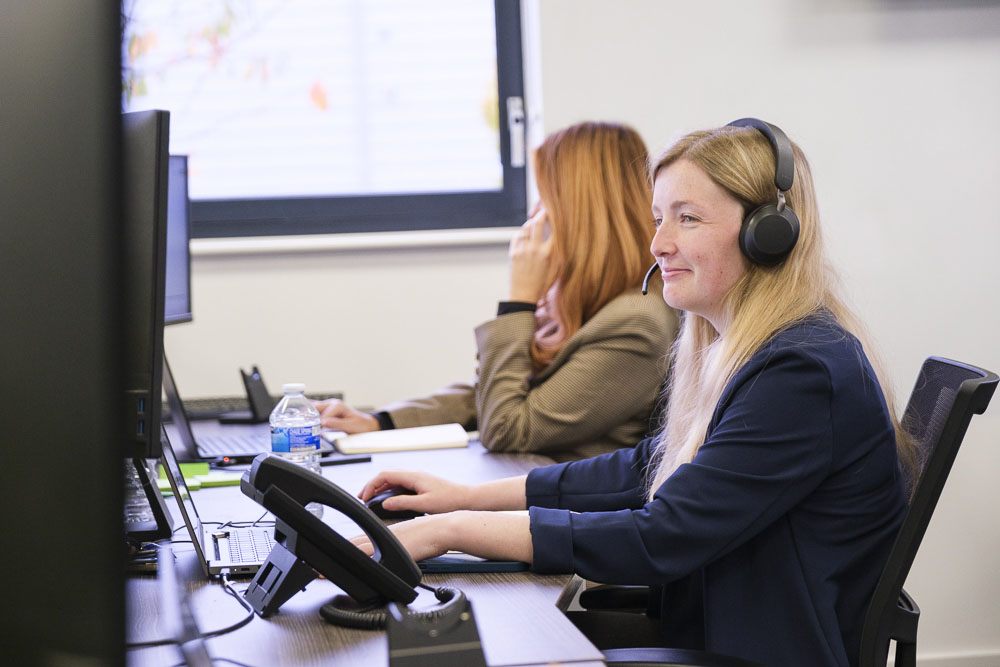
518,614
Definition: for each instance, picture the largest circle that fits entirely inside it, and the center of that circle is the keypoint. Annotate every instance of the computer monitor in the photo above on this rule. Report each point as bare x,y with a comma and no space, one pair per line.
177,299
62,334
145,139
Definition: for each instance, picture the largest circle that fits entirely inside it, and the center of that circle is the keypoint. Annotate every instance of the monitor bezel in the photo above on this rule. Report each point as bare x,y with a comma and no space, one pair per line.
145,162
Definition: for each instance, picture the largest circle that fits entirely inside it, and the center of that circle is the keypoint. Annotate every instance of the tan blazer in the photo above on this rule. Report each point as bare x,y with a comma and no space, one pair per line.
596,396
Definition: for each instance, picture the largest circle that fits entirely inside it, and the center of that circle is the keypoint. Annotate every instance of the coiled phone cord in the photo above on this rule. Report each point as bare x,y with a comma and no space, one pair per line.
339,611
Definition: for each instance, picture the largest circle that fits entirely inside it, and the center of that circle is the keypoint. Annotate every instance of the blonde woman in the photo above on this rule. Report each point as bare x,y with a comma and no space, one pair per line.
572,365
765,509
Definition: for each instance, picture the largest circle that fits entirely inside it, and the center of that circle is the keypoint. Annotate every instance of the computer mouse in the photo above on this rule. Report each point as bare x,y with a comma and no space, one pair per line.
375,504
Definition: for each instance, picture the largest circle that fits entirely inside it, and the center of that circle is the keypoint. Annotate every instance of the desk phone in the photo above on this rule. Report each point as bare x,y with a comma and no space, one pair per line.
305,545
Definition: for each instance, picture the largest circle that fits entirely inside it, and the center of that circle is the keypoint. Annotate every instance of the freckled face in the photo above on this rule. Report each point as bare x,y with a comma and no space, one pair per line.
697,240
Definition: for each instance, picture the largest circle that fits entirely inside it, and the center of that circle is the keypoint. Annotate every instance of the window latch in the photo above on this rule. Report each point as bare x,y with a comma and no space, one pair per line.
515,125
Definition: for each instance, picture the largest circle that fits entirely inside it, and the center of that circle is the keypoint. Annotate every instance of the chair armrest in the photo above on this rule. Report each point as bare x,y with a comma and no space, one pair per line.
677,657
618,598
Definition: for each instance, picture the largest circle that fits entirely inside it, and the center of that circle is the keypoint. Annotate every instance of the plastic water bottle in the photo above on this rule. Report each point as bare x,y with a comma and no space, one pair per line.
295,428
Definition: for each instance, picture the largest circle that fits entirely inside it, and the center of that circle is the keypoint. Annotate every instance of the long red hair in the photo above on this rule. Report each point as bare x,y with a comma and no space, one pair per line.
593,181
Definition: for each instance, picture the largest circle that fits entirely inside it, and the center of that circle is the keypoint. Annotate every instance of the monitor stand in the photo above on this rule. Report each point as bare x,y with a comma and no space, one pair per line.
146,516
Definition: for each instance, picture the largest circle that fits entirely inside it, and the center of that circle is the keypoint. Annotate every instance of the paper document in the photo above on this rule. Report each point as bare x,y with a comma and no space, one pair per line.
440,436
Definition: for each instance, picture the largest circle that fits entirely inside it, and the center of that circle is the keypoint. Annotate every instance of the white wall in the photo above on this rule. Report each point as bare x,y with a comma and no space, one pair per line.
378,324
897,105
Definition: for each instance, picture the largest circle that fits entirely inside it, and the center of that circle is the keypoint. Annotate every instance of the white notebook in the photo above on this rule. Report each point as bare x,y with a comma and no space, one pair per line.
439,436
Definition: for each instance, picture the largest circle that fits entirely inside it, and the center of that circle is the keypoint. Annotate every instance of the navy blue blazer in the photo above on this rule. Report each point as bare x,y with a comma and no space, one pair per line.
769,543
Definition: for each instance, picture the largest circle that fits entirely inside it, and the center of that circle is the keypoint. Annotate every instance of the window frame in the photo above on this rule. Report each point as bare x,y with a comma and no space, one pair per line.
395,212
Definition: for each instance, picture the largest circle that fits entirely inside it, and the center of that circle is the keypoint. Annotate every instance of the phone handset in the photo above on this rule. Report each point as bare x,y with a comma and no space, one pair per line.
305,545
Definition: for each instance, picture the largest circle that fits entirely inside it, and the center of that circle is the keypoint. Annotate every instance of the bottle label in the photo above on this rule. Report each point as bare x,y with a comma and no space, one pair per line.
294,438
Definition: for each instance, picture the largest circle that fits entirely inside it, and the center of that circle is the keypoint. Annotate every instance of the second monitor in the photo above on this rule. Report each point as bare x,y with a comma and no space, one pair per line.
177,297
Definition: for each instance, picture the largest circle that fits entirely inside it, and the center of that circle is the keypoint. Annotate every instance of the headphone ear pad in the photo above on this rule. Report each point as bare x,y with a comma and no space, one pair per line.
768,235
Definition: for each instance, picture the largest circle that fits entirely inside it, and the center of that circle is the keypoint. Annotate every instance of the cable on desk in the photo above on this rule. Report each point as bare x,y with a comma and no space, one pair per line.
150,644
215,660
228,585
205,635
259,522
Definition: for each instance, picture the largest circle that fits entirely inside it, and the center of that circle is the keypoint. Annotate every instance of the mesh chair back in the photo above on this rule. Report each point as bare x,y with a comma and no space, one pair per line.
946,395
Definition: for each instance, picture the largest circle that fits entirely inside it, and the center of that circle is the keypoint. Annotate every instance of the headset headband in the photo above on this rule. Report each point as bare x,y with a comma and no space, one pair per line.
784,159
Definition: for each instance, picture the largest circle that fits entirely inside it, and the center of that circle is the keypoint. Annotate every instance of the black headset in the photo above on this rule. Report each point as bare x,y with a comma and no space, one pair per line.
770,231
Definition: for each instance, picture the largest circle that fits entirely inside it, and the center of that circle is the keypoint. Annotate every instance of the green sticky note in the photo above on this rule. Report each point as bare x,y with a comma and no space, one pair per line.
198,475
219,478
164,485
193,484
189,470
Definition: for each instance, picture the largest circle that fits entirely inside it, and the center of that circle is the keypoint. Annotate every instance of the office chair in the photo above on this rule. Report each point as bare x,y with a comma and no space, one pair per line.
946,395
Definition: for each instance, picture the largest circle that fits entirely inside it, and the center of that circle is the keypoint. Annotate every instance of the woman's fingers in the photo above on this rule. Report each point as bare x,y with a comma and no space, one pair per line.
530,257
390,478
536,226
364,543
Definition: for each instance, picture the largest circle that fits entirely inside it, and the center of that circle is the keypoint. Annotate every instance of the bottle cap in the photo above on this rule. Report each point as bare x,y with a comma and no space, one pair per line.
293,388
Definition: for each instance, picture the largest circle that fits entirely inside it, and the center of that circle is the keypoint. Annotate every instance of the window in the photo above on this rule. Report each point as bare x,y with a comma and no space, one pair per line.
317,116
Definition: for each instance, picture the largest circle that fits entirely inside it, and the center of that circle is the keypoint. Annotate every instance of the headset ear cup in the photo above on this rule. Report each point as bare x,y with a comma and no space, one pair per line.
768,235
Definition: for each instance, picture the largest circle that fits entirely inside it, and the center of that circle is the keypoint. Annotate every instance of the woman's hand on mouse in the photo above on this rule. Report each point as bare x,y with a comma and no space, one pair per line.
433,494
530,258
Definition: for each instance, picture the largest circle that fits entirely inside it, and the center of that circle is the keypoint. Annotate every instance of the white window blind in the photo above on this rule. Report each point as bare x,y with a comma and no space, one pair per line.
314,99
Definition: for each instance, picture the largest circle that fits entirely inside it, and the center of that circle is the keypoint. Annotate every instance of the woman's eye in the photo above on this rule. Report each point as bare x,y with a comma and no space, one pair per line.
657,222
687,219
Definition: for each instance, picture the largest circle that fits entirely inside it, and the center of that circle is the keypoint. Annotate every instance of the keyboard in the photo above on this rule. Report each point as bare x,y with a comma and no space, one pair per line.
250,545
212,407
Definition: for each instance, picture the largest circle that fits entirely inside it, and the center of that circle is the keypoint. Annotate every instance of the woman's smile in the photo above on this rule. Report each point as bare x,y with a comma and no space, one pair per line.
671,272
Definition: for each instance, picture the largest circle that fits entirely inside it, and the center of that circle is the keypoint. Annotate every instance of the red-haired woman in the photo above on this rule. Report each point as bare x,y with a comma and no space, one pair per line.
572,365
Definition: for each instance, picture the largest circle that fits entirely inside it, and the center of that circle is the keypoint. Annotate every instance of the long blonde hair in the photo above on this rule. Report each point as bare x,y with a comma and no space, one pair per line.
593,182
763,302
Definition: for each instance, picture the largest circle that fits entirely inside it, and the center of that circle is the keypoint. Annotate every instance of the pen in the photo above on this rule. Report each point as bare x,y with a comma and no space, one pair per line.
344,460
227,461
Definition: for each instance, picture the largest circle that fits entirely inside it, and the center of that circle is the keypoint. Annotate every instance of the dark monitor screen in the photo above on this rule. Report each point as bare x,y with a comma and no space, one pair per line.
177,298
145,139
62,334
